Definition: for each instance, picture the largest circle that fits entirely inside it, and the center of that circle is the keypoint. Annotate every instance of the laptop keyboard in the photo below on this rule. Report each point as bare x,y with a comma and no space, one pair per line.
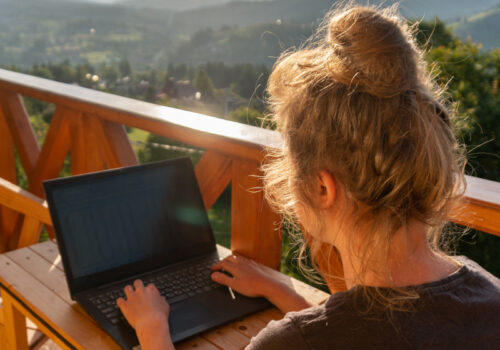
173,285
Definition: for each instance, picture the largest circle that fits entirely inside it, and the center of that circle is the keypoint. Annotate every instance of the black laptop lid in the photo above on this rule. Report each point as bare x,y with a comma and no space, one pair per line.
117,223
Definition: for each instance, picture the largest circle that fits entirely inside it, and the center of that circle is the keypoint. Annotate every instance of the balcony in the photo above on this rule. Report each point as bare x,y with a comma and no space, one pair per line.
90,126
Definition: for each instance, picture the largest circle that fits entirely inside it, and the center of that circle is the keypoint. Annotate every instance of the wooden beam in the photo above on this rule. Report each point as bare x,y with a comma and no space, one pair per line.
192,128
15,325
213,173
15,198
255,228
480,208
30,232
21,130
114,142
10,220
85,151
54,150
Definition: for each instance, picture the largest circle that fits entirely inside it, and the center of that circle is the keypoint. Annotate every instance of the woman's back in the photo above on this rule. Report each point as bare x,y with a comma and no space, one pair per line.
460,311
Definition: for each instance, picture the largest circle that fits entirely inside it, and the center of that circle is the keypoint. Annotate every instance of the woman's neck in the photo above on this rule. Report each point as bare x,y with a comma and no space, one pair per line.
408,261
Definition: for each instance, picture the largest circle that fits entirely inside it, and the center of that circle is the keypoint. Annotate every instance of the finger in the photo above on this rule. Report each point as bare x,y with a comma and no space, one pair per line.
152,288
229,267
128,290
216,266
138,285
222,278
120,302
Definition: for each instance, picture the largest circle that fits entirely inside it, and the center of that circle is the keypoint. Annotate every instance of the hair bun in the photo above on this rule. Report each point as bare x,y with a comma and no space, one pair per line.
371,51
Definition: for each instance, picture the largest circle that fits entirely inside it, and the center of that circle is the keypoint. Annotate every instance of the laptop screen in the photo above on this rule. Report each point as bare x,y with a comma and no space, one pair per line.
117,223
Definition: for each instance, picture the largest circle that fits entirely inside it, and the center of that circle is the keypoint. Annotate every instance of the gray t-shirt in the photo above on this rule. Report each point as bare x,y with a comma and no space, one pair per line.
461,311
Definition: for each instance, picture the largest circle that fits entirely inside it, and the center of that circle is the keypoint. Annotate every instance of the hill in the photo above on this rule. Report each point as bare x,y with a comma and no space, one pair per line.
246,13
482,27
257,44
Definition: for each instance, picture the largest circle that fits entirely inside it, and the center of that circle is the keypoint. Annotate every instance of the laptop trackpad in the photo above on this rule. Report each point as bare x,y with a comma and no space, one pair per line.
189,315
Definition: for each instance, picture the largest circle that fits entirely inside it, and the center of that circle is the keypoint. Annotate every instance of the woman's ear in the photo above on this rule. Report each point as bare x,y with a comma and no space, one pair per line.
327,189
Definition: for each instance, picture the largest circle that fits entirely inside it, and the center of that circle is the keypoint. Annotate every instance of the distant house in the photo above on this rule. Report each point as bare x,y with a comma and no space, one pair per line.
181,89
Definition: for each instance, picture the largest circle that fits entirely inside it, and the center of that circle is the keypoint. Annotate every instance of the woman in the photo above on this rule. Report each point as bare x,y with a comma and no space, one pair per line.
370,169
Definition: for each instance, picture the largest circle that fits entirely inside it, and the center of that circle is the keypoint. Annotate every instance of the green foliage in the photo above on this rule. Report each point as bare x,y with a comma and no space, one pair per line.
433,34
470,76
159,148
204,85
246,115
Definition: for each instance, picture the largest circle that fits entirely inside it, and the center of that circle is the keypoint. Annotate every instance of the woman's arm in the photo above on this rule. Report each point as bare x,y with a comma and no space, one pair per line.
255,280
147,312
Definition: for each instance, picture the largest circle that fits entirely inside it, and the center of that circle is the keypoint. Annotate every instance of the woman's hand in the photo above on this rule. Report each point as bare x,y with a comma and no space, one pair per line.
147,312
247,277
255,280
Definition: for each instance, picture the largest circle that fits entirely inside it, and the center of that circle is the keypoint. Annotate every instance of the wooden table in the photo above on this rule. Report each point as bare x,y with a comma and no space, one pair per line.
33,285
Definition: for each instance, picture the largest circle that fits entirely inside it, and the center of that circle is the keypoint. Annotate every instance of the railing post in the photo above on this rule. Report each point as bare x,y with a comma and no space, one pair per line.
9,219
255,228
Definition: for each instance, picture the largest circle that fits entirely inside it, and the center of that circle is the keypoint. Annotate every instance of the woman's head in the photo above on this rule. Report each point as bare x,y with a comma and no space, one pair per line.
358,103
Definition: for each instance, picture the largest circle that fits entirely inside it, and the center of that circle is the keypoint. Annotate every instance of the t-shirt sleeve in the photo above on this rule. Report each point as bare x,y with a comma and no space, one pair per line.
282,334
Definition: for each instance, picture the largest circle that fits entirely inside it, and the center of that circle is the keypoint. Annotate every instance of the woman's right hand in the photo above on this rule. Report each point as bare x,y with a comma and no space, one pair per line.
255,280
247,277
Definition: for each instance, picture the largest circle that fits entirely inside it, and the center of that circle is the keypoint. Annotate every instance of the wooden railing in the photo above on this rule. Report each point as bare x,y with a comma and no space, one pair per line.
89,125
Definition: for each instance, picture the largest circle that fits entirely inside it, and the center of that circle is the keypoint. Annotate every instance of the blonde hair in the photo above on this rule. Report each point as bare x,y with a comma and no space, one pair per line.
358,101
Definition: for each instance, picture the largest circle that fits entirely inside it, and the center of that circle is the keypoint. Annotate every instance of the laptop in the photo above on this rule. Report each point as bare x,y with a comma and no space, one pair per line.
142,222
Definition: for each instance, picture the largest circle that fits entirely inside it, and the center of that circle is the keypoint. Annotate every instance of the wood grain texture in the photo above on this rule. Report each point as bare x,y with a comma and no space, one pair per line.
15,325
85,149
72,325
255,228
30,232
8,217
54,150
213,173
15,198
48,250
21,130
114,143
227,338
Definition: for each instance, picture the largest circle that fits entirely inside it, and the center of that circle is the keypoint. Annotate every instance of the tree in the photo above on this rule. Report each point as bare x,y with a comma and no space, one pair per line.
124,68
204,85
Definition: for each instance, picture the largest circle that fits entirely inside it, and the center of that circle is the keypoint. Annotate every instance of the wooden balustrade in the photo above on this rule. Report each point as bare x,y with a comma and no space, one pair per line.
89,125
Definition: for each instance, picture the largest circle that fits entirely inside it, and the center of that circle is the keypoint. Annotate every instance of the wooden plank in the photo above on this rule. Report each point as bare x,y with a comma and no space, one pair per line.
15,325
255,229
54,150
227,338
249,326
84,148
14,197
30,232
73,326
480,208
477,216
48,251
8,217
115,145
213,173
197,343
50,276
21,130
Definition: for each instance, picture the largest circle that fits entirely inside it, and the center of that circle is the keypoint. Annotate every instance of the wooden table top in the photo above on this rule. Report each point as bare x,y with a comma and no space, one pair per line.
35,276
